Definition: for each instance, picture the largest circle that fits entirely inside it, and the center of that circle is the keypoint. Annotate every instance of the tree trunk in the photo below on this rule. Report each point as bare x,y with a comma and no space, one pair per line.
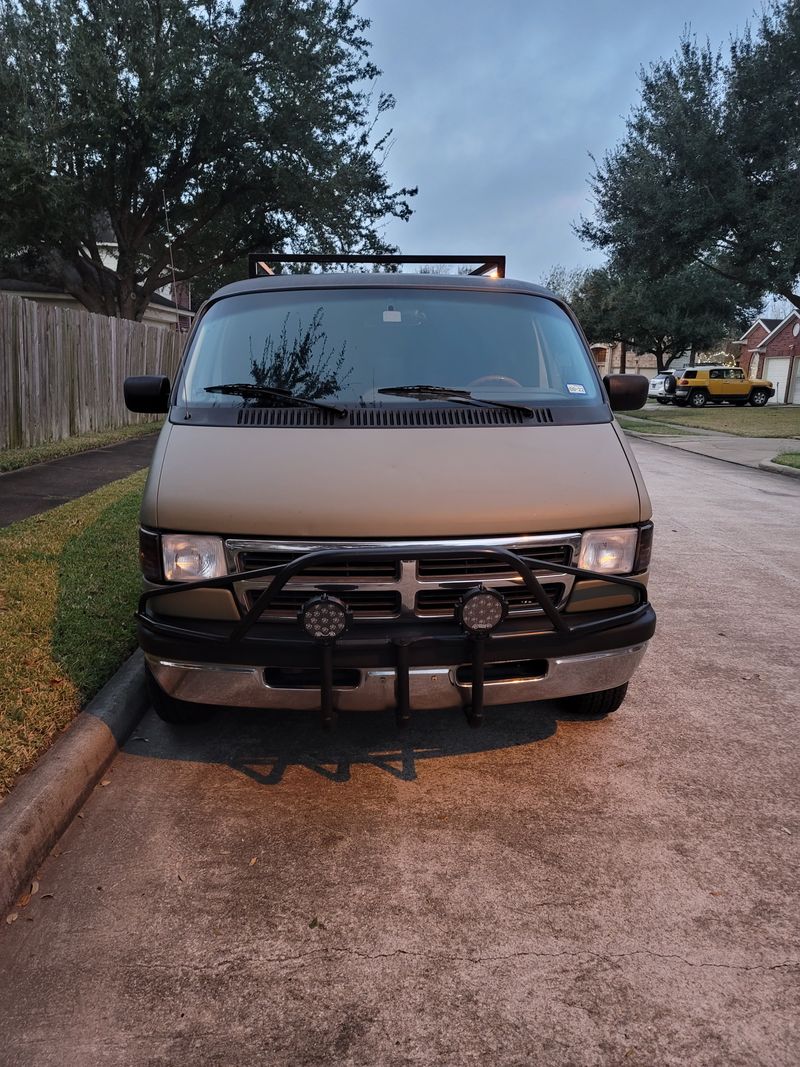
623,357
81,280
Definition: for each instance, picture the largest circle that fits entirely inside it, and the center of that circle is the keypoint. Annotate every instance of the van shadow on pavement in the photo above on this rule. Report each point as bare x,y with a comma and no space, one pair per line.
263,744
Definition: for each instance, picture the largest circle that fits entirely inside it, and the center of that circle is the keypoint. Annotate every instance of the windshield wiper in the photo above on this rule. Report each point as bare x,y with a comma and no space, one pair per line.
263,392
440,392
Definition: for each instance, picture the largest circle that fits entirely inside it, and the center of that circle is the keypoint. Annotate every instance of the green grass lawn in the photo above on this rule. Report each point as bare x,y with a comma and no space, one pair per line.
69,580
777,420
11,459
788,459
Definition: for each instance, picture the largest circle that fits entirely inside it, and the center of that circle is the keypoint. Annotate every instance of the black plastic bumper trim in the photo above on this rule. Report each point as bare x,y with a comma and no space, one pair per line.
611,630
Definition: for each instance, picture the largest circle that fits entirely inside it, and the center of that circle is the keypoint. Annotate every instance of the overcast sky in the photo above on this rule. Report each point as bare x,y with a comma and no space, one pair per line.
499,104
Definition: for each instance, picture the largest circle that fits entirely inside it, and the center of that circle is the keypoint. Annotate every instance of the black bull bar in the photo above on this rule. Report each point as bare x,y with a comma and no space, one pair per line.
239,632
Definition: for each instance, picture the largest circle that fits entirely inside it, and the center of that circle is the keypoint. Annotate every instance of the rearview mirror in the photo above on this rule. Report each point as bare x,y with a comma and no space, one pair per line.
147,393
626,392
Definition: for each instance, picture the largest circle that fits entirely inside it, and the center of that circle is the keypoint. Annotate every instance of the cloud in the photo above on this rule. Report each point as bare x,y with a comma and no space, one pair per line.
499,106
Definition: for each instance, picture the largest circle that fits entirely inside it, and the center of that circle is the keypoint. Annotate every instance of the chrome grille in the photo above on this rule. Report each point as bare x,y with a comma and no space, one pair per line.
443,567
364,568
427,588
364,604
520,601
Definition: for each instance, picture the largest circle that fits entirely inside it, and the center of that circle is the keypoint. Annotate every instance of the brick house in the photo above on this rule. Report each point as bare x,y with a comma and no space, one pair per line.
770,348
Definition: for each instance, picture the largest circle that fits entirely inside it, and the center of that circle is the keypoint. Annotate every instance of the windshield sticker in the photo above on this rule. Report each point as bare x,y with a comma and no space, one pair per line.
576,389
392,316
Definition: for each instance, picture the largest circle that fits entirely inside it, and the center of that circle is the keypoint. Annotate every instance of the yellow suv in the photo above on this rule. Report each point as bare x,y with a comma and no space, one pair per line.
697,385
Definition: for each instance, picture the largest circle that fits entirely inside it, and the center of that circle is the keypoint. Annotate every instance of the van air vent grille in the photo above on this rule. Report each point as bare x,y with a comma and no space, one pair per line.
401,418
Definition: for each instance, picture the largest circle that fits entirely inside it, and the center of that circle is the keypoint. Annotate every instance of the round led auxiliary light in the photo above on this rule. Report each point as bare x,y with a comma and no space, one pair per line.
481,611
324,618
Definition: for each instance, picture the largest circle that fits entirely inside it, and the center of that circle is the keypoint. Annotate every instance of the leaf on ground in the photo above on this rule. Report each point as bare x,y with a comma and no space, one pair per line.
24,900
12,918
252,862
106,781
786,830
34,888
47,896
315,924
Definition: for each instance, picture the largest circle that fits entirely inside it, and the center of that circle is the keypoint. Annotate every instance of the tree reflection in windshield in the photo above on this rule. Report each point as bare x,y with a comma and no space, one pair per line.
303,365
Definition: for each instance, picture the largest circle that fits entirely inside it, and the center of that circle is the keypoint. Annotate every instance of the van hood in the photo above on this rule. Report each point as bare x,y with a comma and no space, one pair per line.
390,483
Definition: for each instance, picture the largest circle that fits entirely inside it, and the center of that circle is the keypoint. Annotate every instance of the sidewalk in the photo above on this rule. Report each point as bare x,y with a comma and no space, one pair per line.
746,451
46,485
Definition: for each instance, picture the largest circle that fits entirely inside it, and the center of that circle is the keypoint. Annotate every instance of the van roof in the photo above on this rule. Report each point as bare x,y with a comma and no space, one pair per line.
372,280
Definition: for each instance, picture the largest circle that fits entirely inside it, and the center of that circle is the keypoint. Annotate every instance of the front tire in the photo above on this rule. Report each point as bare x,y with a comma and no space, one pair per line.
595,705
758,398
168,709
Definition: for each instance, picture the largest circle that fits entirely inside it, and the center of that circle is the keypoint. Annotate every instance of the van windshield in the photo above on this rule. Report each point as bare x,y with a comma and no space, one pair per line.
344,346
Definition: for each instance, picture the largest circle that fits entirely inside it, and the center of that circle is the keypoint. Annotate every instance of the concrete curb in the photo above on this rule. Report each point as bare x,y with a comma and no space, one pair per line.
780,468
40,807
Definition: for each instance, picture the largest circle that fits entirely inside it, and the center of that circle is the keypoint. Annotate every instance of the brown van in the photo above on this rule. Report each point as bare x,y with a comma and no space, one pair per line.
391,491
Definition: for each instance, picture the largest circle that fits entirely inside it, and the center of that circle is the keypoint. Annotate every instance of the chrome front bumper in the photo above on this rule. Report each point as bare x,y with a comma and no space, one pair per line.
430,687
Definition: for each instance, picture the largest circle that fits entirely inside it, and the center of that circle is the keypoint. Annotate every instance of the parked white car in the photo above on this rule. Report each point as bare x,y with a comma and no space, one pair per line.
662,387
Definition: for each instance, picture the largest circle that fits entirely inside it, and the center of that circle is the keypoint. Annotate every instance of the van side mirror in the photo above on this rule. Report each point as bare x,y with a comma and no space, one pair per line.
147,393
626,392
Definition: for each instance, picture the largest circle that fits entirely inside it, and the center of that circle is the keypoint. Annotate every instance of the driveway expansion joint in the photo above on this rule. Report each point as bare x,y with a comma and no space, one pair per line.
604,957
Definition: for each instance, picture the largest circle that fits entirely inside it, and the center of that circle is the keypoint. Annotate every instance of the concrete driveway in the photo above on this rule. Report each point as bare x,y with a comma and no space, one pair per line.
543,891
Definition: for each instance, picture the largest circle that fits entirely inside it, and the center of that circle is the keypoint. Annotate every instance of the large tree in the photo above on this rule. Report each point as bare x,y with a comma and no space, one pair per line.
248,126
689,310
709,168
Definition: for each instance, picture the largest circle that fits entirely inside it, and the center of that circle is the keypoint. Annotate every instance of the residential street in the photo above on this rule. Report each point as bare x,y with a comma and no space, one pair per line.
540,891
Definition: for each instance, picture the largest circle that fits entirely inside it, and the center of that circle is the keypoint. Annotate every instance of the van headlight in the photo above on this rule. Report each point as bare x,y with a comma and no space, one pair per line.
188,557
609,551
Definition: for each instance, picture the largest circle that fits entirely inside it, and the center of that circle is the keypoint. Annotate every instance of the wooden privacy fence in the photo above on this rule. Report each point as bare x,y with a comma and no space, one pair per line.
61,371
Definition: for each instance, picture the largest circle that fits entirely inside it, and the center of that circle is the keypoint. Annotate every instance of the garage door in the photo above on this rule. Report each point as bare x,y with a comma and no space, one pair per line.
794,395
775,371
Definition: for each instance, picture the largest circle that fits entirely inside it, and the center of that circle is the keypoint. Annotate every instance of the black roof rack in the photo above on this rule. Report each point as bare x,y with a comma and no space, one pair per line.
259,262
